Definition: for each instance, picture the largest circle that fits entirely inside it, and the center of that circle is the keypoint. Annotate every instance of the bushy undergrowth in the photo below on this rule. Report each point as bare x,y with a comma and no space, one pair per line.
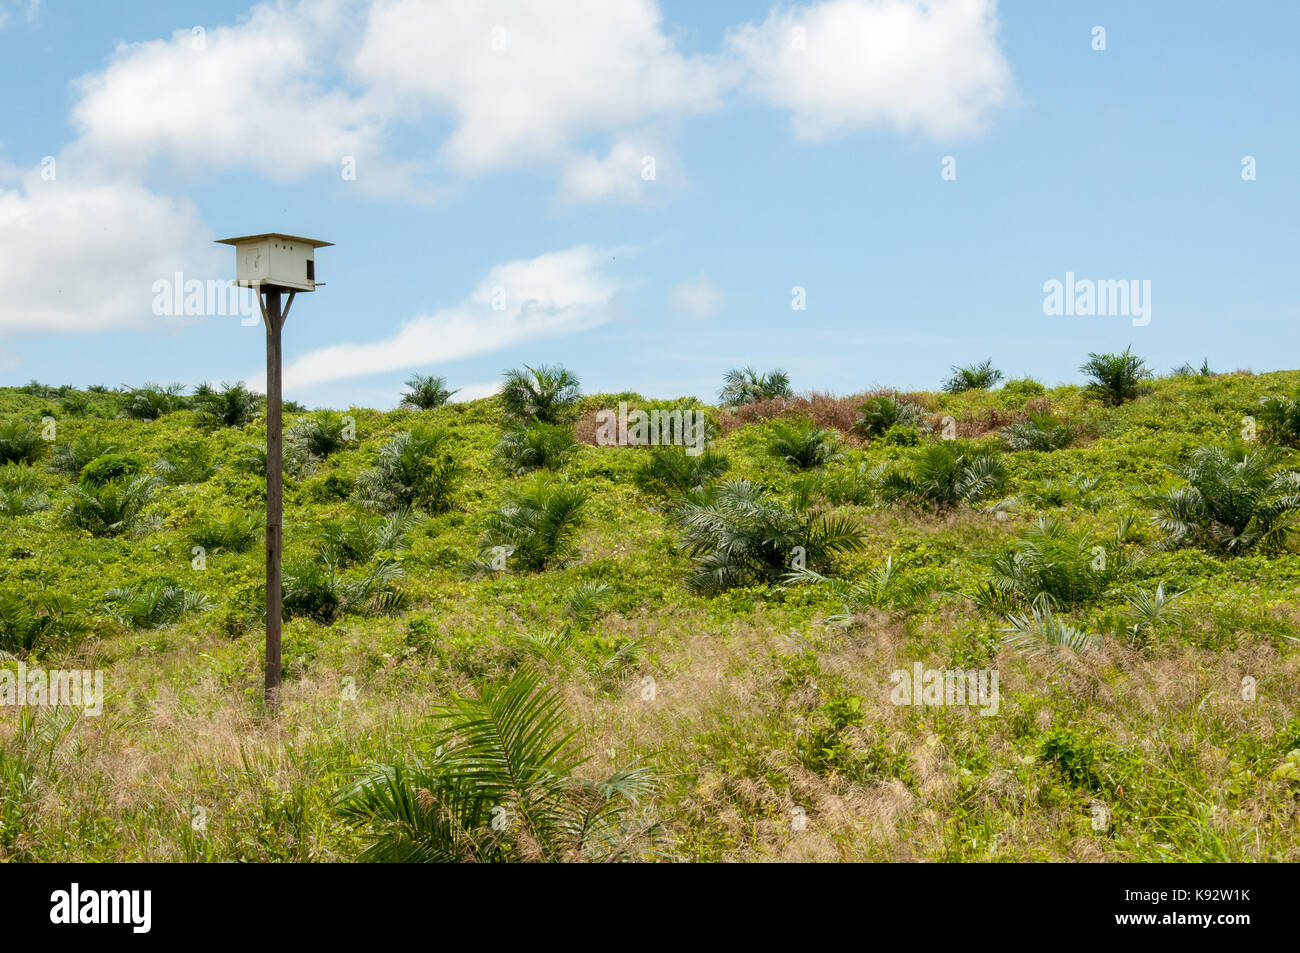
723,624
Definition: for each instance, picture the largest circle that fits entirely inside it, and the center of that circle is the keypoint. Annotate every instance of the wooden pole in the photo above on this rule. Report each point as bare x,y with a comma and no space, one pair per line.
274,496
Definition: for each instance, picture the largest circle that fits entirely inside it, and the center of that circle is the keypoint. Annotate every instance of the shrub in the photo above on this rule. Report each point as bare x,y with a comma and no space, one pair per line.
47,623
187,463
1279,420
745,385
1233,501
536,446
361,538
803,445
233,405
414,470
425,392
544,394
980,376
859,485
1022,389
671,471
1116,378
21,490
946,474
295,461
153,401
71,458
501,786
885,586
321,434
1051,567
736,533
536,525
112,509
1041,431
315,588
20,442
884,411
159,603
1042,632
233,531
108,468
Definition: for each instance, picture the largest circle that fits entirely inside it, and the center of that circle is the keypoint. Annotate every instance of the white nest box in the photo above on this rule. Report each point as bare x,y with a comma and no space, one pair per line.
275,260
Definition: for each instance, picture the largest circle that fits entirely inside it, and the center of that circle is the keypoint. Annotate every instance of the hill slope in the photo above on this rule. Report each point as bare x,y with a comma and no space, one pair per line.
767,712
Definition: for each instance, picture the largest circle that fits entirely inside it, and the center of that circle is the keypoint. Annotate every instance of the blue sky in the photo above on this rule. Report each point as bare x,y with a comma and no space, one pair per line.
520,169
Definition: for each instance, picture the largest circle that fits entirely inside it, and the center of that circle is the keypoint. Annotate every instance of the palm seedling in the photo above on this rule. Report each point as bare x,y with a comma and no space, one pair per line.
321,434
1116,378
737,533
414,470
545,394
671,471
946,474
71,457
20,442
803,445
745,385
1042,632
500,785
1233,501
110,509
1050,566
426,392
884,411
1041,431
536,525
159,603
536,446
884,587
32,628
231,405
317,589
361,538
21,490
979,376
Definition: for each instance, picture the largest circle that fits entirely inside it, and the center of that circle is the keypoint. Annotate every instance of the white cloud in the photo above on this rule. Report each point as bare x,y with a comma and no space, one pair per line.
932,66
697,297
637,168
295,87
525,78
556,293
83,256
258,94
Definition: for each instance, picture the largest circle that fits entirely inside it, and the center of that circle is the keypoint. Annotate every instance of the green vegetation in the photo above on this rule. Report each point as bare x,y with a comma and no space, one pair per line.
745,385
979,376
657,654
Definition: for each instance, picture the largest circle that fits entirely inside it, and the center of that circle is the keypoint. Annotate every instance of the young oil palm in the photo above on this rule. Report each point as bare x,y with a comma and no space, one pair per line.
737,533
536,525
545,394
500,785
1234,500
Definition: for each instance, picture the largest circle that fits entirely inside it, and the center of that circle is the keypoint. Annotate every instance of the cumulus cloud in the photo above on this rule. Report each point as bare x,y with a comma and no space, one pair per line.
932,66
83,256
525,78
260,94
697,297
555,293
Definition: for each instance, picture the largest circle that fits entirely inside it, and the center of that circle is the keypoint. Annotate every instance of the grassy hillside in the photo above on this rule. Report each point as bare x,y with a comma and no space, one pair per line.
758,713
